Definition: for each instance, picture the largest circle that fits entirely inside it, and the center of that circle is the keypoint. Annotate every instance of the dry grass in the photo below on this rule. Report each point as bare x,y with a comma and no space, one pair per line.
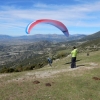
58,82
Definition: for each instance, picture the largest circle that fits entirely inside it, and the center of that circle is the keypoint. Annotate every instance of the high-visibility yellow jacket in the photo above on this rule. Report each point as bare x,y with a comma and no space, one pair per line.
74,53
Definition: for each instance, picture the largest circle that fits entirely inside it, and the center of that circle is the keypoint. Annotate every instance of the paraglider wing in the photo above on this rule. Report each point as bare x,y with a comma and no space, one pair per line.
55,23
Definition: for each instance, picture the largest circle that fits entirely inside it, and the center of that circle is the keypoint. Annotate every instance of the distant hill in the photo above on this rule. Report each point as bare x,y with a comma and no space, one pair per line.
3,37
91,37
91,43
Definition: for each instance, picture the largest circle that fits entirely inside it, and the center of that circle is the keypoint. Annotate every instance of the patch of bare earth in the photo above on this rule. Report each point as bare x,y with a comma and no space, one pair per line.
4,75
49,73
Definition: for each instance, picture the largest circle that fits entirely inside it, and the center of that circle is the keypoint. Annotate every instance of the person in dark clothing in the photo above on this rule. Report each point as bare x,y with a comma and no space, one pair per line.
49,61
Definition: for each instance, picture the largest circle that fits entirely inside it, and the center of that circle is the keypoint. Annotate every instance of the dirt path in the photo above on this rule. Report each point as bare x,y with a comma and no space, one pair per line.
50,72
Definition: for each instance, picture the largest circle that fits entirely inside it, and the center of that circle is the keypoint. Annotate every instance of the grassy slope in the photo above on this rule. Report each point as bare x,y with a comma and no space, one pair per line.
66,83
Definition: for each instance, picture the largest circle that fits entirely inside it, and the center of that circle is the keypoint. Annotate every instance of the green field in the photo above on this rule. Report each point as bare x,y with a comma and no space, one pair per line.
58,82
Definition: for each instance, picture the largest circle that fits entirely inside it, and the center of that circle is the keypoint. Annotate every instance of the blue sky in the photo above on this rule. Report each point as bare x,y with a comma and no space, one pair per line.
79,16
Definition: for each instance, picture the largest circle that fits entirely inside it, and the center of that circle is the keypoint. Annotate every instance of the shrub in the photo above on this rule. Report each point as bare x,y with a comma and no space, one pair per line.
19,68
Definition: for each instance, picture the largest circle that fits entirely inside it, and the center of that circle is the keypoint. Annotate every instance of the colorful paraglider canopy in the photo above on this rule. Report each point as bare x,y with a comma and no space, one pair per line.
55,23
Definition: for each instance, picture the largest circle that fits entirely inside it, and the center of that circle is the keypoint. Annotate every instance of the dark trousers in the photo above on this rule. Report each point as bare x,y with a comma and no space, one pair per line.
50,62
73,62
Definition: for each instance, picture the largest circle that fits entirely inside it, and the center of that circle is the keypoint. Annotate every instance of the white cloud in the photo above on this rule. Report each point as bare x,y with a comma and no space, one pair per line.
86,15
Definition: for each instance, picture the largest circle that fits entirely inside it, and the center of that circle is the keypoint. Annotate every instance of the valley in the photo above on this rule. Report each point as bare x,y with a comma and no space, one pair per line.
26,51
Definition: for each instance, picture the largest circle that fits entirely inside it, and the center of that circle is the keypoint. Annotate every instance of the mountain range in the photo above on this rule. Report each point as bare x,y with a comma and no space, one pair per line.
39,37
49,37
